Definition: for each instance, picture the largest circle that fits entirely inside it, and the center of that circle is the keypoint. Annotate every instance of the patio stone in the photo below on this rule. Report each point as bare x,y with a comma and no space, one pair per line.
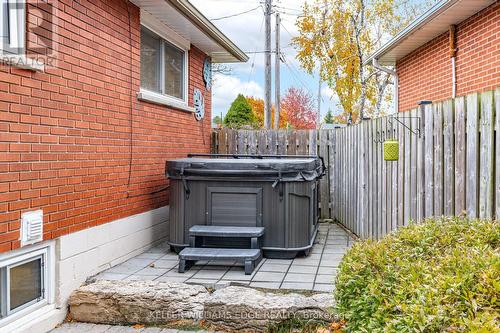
306,262
237,275
297,285
327,270
166,264
266,285
228,308
111,276
152,271
170,256
80,327
139,263
171,279
324,260
270,267
152,330
335,249
150,255
123,269
209,283
324,278
302,269
268,277
130,302
186,274
329,263
323,287
141,277
214,274
299,277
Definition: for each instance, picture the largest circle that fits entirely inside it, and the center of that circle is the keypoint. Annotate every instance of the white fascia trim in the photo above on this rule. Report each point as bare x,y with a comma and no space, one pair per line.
149,96
21,61
165,32
205,25
419,22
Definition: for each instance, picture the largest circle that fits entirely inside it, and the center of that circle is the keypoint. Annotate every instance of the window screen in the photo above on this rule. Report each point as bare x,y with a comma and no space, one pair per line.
25,283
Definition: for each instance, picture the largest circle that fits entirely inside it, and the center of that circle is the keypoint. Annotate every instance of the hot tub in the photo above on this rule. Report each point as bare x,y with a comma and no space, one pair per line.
279,193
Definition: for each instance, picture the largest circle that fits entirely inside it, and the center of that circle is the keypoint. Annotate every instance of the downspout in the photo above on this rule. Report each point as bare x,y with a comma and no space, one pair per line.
453,54
396,81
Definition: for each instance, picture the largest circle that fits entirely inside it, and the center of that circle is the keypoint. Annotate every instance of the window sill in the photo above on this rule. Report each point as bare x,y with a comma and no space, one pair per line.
152,97
21,61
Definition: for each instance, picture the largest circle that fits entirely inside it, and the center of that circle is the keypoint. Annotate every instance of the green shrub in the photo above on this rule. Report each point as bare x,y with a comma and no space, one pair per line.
240,114
438,276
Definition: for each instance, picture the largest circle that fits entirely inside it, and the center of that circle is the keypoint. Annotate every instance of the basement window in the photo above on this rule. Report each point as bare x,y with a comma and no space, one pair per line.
23,283
163,68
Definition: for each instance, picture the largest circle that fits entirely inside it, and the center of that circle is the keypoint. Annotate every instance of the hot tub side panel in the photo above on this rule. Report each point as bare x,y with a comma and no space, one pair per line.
177,216
286,211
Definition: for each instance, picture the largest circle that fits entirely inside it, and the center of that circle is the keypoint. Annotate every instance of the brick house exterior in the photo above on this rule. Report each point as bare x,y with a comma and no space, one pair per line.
425,74
75,141
423,62
66,132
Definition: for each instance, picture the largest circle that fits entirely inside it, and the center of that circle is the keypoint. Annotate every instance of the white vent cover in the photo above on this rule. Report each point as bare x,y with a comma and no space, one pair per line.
31,227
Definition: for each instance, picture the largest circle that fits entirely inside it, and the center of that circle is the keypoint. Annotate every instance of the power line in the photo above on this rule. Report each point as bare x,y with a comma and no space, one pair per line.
237,14
287,31
296,78
252,66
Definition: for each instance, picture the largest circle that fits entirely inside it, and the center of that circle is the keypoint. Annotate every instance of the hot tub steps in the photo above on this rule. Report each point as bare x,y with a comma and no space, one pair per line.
250,257
190,255
226,232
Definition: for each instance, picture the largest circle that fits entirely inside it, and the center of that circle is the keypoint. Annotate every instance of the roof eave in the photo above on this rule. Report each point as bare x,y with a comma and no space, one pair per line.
415,25
234,54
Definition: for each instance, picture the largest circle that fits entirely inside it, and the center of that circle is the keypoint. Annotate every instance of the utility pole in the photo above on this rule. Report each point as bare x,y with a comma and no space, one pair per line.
267,86
318,112
277,74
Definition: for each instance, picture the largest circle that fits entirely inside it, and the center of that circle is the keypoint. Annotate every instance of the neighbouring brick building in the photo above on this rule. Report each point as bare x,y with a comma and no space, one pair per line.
95,96
466,30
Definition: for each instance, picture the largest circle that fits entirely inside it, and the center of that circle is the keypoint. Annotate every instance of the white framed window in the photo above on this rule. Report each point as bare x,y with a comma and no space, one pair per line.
24,282
12,27
163,67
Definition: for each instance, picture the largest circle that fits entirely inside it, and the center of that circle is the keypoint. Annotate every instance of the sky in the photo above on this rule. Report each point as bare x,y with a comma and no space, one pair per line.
247,32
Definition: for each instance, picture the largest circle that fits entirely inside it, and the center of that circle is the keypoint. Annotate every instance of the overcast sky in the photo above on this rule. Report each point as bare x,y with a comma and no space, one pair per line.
247,31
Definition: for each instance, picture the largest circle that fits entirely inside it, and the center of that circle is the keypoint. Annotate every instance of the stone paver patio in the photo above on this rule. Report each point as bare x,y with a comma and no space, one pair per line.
314,272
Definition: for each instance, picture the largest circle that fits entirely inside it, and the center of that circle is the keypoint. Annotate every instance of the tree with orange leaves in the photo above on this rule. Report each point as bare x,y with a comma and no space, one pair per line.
257,105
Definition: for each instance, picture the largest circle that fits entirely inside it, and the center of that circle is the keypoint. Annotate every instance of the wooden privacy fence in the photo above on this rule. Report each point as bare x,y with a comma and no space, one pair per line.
449,163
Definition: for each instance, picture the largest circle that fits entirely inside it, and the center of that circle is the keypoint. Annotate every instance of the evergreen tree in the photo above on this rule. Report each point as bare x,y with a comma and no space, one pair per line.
240,114
217,120
329,117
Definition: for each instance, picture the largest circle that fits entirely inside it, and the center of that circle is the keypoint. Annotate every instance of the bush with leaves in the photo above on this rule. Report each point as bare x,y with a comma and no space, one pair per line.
438,276
240,114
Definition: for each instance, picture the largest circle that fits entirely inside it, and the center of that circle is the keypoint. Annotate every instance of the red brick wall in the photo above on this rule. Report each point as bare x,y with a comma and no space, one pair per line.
74,140
426,74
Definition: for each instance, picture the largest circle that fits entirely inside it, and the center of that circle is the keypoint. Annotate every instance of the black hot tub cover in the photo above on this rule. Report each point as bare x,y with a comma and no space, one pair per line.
288,168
